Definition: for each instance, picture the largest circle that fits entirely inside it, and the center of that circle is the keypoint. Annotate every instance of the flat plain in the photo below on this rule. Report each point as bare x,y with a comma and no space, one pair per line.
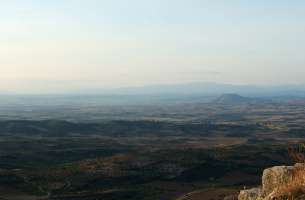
177,151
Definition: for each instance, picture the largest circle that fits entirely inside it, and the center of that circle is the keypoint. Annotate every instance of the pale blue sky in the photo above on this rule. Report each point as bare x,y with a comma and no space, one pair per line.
71,44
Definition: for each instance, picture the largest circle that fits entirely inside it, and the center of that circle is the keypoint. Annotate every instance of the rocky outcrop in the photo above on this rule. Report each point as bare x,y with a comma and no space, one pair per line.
278,182
276,177
251,194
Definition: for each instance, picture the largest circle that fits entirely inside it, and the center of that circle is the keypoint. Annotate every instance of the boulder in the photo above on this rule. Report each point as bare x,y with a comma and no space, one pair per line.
251,194
275,177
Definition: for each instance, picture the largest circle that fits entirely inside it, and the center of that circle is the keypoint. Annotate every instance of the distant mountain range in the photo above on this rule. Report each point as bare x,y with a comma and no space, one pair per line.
187,89
162,94
202,88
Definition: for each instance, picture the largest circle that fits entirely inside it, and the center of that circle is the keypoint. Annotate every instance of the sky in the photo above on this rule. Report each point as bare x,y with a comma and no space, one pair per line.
64,45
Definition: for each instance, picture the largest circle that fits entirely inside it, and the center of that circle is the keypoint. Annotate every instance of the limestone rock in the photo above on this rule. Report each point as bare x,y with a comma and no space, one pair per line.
275,177
278,182
251,194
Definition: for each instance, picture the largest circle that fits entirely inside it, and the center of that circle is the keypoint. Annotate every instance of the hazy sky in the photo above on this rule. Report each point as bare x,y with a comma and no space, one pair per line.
52,45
